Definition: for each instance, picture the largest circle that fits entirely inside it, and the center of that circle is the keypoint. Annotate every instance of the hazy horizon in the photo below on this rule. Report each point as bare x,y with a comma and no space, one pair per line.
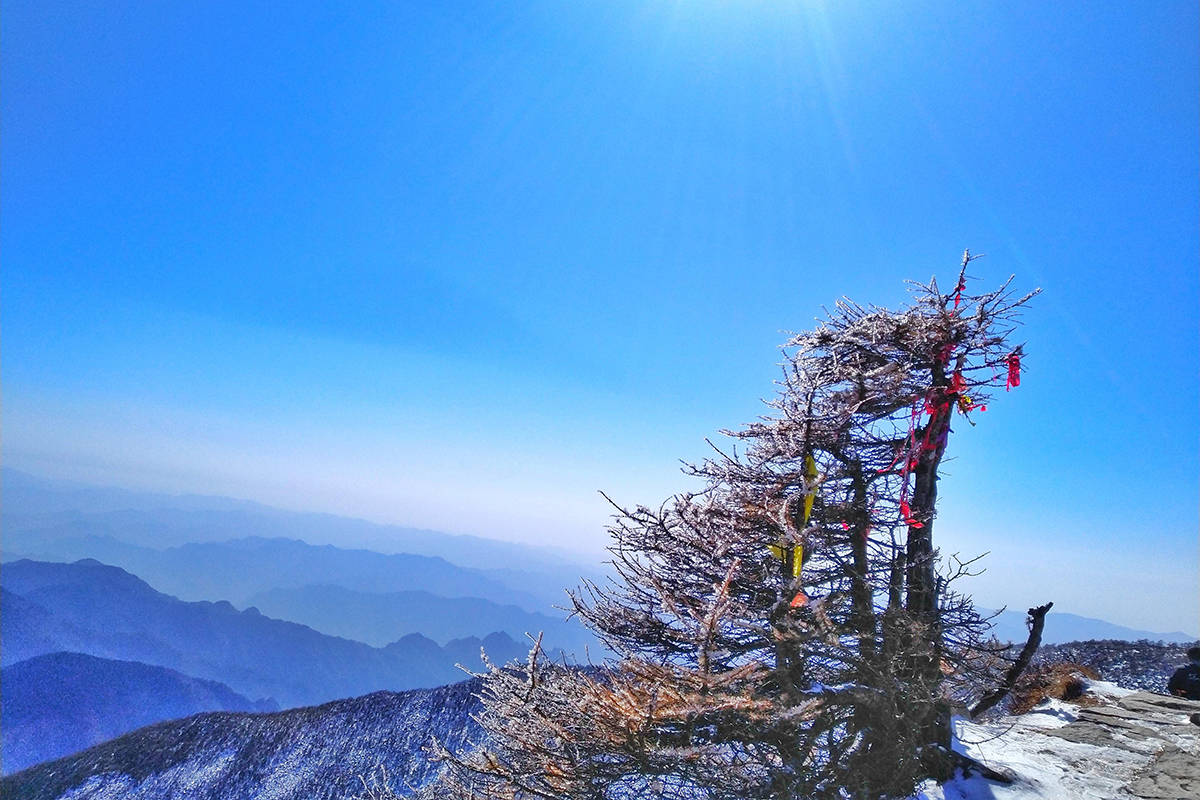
593,558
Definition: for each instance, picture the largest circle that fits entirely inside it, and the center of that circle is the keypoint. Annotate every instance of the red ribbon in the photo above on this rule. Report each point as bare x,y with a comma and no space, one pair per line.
1014,370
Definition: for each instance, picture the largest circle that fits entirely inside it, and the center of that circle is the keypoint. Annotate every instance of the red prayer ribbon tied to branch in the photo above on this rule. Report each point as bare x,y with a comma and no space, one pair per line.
906,512
936,401
1014,370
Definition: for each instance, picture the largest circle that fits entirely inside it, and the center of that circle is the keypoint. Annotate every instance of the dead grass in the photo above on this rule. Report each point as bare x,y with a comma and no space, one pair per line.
1063,680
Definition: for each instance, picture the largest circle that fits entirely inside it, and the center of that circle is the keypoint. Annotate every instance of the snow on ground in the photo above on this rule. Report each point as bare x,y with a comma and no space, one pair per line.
1108,752
1104,689
1041,766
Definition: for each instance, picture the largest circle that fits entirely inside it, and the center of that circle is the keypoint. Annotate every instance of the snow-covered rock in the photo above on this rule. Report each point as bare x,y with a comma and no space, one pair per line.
1112,744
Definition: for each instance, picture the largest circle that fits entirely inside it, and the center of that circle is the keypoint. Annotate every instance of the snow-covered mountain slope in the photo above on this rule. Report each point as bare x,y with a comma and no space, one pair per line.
302,754
1133,665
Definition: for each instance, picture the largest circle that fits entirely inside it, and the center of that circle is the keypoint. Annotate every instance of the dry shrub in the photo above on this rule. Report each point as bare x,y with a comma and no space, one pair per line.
1062,680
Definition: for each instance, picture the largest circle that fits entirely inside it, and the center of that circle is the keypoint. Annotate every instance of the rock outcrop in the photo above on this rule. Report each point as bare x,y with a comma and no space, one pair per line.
1107,744
1146,724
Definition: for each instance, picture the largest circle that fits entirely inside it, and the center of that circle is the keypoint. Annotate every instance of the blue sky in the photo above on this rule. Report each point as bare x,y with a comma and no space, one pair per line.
462,265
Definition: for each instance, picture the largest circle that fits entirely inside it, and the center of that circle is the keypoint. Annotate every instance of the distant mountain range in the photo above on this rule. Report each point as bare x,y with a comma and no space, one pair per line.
102,610
377,618
164,520
238,569
391,595
314,753
181,545
60,703
1060,628
212,548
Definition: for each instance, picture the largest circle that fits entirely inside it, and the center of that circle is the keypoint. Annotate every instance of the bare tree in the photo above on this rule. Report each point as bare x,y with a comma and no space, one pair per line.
788,630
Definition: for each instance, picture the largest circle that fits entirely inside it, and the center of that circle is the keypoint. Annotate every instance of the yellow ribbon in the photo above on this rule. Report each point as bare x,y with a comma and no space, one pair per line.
811,482
797,556
810,475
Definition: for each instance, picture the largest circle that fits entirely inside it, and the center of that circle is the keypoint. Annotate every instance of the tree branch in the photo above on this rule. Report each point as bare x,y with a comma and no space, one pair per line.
1037,621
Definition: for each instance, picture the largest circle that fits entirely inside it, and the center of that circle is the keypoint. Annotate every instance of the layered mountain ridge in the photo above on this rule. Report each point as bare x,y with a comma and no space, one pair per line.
102,610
